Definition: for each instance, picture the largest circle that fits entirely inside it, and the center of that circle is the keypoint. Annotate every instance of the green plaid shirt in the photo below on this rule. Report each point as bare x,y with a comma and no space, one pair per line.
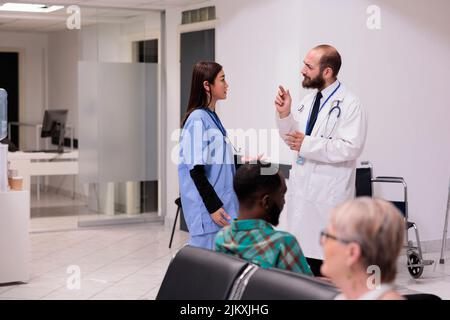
257,241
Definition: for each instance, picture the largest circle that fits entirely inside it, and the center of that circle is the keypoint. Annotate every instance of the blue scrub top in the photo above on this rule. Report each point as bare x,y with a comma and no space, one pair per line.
203,143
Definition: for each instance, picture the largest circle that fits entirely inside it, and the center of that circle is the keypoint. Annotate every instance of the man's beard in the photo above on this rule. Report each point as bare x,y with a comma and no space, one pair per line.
273,215
315,83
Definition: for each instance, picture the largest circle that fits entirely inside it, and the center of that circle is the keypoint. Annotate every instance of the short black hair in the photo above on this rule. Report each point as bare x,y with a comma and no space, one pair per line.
330,59
249,182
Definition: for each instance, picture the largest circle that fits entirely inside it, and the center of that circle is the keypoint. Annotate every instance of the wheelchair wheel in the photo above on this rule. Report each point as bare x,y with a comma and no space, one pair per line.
414,259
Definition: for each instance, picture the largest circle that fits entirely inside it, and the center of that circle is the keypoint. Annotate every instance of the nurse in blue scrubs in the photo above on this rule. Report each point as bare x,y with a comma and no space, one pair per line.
206,168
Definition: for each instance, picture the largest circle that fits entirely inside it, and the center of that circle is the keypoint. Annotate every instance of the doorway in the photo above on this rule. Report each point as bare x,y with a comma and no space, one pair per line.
194,46
9,64
147,52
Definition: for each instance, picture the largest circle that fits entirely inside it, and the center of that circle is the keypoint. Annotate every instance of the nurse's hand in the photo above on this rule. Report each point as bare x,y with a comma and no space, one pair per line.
295,140
283,102
248,159
220,217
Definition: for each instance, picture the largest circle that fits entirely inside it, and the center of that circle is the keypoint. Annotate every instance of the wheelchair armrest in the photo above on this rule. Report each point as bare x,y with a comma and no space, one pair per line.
390,180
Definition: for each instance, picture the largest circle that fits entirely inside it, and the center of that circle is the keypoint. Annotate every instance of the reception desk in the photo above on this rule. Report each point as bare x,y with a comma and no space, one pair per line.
30,164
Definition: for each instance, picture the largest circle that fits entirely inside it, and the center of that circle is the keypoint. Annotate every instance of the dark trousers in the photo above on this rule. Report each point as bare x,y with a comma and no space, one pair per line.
315,265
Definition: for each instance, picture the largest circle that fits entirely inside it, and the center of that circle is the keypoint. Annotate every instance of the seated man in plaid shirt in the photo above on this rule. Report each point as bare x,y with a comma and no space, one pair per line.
252,236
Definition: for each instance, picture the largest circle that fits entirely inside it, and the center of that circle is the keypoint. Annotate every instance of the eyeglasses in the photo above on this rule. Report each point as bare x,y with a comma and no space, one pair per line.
324,234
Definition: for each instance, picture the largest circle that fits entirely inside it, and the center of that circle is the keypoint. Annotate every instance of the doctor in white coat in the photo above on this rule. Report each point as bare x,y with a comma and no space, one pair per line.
326,133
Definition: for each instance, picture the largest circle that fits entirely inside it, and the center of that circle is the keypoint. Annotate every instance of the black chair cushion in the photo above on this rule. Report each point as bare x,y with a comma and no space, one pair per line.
421,296
275,284
200,274
400,205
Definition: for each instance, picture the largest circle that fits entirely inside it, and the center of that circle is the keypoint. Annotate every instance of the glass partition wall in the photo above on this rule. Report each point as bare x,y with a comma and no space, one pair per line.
118,112
102,65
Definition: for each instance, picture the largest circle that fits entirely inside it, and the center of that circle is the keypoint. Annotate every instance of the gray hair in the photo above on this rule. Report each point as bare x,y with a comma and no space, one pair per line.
377,226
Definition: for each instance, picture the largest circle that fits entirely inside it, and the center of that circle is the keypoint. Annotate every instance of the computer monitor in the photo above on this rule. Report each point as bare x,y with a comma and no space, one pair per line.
54,126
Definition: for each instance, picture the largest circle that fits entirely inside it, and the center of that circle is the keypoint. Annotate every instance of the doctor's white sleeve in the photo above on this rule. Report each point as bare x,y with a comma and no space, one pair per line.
286,125
347,144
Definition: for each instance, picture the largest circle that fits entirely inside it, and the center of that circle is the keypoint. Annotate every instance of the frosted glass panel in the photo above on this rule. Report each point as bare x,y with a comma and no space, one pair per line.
118,121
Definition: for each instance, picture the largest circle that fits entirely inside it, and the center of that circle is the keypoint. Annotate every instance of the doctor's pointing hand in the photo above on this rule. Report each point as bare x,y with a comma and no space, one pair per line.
283,103
326,135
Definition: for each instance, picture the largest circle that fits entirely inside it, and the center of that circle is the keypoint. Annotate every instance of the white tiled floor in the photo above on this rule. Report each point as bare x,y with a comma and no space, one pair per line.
124,262
435,278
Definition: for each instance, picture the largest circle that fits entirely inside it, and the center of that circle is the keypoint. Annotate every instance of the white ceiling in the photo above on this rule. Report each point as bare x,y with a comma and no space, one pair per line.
132,4
113,11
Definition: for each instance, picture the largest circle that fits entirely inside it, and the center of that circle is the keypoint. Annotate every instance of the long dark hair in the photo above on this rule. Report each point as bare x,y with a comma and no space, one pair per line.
203,71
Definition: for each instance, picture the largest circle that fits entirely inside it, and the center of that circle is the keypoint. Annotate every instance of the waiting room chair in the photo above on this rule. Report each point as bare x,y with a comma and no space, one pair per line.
276,284
421,296
200,274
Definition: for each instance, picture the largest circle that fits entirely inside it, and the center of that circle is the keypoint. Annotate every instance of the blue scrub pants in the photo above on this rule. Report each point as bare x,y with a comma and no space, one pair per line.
203,241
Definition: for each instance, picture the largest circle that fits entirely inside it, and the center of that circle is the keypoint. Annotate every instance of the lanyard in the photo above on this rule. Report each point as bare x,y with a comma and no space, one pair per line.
320,109
216,121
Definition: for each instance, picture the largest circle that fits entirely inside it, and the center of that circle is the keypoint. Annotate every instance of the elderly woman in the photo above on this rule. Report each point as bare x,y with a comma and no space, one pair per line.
361,245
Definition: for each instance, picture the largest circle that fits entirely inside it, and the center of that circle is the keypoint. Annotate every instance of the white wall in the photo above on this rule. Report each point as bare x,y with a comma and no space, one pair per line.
173,19
32,48
398,73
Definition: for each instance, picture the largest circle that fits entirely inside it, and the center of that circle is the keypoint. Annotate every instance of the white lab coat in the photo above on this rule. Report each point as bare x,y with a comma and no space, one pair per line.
327,176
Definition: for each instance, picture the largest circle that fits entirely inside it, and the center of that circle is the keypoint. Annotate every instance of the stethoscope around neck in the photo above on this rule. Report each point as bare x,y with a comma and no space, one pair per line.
337,110
334,110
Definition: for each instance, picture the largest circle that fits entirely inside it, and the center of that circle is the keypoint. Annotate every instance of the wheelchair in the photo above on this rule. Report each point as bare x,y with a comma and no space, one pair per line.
364,182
